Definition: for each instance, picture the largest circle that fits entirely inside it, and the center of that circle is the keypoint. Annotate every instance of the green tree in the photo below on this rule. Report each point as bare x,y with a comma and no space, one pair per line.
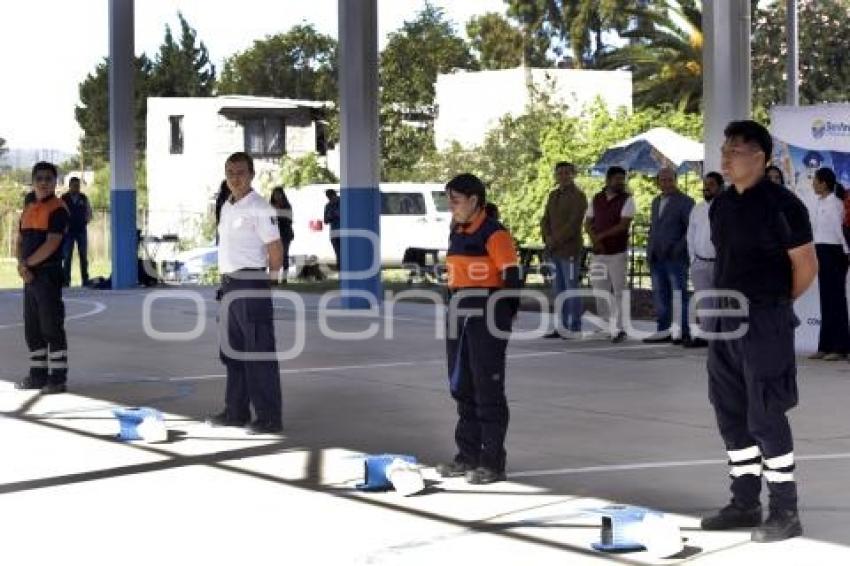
182,68
824,72
665,55
92,113
304,170
415,54
498,44
579,24
409,64
300,63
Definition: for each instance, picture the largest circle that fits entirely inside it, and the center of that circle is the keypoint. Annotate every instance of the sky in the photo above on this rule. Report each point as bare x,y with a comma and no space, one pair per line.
49,46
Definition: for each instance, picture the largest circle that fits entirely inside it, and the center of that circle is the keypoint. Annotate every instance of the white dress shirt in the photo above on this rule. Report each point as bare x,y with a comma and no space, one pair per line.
699,233
246,227
827,215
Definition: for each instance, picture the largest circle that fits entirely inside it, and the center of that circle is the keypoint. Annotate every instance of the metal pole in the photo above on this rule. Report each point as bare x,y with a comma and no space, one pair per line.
122,144
793,64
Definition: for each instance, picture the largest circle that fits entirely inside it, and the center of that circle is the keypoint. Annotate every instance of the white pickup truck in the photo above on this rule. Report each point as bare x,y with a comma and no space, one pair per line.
413,215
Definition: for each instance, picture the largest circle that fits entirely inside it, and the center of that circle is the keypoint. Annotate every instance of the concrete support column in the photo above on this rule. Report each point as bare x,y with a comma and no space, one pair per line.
361,199
727,84
122,144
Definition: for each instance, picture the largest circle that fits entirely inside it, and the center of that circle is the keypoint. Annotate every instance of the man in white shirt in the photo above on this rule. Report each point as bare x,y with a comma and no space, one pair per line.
249,241
701,251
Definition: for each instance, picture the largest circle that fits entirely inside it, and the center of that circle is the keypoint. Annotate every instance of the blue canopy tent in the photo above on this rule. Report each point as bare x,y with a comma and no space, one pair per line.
652,150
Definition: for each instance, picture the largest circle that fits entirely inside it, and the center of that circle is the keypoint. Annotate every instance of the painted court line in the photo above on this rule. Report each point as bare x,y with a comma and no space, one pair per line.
96,309
657,465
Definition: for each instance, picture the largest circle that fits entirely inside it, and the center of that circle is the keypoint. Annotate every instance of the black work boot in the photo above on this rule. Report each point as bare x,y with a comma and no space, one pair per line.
732,517
454,469
781,524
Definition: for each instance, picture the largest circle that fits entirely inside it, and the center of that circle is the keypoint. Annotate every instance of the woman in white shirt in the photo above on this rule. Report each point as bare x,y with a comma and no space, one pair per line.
827,214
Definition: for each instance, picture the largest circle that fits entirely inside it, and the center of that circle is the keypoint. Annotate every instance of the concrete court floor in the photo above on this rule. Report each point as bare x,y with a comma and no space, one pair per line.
591,424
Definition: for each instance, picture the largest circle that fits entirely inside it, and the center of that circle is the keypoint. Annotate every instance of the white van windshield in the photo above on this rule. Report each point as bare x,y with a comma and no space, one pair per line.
441,201
403,203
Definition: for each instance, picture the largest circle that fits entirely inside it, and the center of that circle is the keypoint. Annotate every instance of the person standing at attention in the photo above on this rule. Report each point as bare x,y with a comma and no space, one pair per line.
561,232
765,253
249,244
80,215
43,224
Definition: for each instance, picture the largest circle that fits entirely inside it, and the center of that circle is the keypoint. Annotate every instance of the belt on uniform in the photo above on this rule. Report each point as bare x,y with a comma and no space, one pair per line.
704,258
234,275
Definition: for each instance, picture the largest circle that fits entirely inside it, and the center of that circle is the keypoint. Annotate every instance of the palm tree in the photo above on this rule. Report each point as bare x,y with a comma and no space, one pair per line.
665,54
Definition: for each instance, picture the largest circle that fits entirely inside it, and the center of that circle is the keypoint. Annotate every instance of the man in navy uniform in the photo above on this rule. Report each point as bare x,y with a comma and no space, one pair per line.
249,243
763,241
43,225
80,214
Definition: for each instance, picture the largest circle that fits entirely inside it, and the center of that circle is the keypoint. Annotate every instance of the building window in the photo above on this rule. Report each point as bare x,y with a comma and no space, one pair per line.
176,145
264,137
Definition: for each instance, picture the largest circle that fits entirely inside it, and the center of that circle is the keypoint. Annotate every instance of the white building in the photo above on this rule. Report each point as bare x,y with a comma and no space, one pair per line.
469,104
188,140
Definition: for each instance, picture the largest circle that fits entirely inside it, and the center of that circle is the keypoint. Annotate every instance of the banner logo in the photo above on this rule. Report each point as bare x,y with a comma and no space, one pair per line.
827,128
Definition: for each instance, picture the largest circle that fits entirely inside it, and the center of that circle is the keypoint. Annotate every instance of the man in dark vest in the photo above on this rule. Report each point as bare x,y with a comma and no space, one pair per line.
79,211
607,223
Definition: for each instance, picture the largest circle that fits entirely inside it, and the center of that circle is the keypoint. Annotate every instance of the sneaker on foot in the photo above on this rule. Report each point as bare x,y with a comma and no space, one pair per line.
223,419
454,469
265,427
732,517
482,476
618,337
781,524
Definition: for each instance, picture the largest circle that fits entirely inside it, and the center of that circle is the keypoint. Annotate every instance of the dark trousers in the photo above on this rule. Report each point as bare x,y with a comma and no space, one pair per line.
335,242
751,384
250,330
476,363
82,241
669,277
44,325
832,281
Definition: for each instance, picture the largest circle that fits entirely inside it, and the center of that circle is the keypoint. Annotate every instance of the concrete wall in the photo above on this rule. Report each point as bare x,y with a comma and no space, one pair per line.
471,103
182,187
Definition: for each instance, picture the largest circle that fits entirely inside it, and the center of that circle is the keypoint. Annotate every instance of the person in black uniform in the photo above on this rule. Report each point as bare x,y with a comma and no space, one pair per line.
249,243
765,252
80,215
39,250
481,260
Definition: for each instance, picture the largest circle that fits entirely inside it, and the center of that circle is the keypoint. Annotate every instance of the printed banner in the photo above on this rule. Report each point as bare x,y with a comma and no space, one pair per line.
807,138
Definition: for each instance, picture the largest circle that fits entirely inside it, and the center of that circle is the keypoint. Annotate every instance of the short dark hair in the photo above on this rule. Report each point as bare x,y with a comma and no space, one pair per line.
330,193
243,157
770,168
45,166
469,185
560,164
716,176
827,175
750,131
73,180
614,170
